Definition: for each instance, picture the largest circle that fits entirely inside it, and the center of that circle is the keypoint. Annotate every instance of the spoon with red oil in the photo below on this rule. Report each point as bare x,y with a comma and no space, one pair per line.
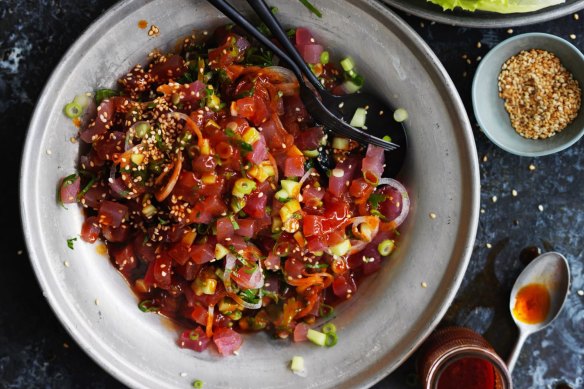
538,297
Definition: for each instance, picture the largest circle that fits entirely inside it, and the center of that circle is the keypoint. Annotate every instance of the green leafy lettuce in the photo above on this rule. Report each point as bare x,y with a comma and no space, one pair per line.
499,6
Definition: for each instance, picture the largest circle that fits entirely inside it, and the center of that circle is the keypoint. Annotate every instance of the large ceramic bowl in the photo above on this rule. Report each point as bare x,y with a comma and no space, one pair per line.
391,313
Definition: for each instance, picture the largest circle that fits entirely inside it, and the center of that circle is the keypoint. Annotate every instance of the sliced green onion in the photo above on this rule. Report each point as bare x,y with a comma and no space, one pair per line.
316,337
400,115
348,64
326,311
73,110
146,306
329,328
102,94
342,248
324,57
142,129
193,335
386,247
311,8
331,339
237,204
234,223
297,364
359,118
387,138
197,384
149,211
340,143
310,153
282,196
350,87
82,100
242,187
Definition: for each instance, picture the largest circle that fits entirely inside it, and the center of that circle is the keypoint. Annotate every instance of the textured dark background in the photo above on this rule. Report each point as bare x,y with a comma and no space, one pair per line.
36,351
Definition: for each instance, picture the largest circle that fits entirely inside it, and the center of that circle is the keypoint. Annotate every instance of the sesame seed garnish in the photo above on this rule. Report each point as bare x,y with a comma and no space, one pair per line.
66,263
49,152
488,245
494,199
424,284
510,31
581,292
532,167
433,215
514,193
540,207
573,36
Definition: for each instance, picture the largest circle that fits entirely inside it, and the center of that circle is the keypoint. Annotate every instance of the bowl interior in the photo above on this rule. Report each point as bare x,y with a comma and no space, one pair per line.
489,107
390,314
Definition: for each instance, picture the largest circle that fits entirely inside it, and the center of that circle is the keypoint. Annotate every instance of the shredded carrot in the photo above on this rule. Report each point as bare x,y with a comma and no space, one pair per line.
388,226
311,298
165,191
274,165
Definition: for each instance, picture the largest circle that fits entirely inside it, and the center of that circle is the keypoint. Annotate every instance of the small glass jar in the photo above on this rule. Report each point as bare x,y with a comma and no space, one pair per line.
452,348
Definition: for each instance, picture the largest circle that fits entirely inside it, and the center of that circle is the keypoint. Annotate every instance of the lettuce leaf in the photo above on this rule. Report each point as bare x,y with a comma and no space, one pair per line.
499,6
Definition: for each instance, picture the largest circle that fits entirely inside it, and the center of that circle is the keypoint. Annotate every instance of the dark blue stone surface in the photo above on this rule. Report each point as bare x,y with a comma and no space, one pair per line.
36,351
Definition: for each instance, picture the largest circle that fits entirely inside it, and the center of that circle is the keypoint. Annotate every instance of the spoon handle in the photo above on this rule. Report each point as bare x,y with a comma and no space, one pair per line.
516,351
265,13
241,21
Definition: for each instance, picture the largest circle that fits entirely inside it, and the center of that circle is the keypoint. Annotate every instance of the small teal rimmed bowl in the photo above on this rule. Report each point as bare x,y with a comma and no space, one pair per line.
489,108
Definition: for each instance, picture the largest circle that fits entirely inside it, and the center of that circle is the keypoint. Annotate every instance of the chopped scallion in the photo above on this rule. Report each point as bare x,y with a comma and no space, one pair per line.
102,94
347,64
311,8
297,364
329,328
400,115
324,57
197,384
316,337
359,118
386,247
73,110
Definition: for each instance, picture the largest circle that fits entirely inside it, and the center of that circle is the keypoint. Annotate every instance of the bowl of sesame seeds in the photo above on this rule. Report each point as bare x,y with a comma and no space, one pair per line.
527,94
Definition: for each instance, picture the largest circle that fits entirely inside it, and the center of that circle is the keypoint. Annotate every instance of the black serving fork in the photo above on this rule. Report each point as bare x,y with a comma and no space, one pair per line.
322,105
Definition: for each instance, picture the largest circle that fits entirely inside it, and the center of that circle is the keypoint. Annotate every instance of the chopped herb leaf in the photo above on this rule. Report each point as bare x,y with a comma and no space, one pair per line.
316,266
70,243
375,199
311,8
102,94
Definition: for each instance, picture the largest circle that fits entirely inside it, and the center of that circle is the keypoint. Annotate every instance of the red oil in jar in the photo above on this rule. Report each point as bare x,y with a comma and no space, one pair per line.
468,373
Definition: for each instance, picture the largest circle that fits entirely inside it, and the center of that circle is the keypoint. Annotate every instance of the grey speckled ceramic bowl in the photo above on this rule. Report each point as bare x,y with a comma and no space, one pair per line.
490,110
391,313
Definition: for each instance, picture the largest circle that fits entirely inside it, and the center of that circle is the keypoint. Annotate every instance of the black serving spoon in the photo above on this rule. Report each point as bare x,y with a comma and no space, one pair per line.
331,111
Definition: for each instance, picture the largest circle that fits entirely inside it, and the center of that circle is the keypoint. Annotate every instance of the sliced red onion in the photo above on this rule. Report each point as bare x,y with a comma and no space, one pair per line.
229,265
405,209
372,164
311,53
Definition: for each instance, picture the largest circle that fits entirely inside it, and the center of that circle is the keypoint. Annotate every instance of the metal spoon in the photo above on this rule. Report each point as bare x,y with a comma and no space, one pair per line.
326,110
552,271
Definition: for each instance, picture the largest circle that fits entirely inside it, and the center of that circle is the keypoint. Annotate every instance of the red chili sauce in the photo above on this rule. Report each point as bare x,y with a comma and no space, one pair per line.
468,373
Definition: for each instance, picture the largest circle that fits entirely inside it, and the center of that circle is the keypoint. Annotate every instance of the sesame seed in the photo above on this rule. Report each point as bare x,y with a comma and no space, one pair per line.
488,245
49,152
433,215
66,263
514,193
424,284
510,31
573,36
532,167
183,374
540,207
581,292
494,199
96,301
